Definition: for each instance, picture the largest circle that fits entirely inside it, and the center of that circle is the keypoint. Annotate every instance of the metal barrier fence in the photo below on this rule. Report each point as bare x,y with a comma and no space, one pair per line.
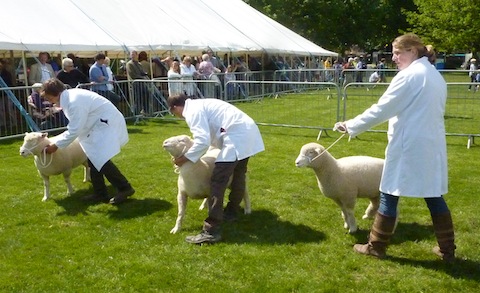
302,104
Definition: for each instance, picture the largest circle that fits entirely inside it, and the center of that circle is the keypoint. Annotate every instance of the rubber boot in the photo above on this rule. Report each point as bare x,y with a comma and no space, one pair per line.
382,231
443,227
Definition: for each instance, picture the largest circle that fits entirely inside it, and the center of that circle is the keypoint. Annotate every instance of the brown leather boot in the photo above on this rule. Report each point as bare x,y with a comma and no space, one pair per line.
443,227
380,234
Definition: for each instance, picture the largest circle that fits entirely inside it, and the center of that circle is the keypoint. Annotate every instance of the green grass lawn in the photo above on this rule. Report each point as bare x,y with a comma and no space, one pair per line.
293,241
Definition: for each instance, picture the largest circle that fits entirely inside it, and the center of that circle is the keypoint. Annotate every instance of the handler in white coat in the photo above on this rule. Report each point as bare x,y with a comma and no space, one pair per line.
101,131
416,155
220,124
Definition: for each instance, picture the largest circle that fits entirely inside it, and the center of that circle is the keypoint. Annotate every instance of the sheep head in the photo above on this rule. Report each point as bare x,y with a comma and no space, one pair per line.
34,143
177,145
308,153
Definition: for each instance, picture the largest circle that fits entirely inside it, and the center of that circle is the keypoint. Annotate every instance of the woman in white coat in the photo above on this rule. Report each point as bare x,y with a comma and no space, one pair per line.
220,124
101,131
416,155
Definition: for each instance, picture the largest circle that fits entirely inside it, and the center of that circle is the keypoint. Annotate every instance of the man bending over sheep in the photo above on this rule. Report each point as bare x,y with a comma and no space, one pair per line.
218,123
101,131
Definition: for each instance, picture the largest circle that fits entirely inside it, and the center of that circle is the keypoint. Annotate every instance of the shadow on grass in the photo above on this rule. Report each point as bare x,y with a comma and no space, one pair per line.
459,269
405,232
132,208
263,226
411,232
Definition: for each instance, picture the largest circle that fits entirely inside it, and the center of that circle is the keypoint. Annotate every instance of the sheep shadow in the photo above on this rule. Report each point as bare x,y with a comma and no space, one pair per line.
265,227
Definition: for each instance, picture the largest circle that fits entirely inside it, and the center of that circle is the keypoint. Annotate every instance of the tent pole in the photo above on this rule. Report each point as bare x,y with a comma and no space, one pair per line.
25,69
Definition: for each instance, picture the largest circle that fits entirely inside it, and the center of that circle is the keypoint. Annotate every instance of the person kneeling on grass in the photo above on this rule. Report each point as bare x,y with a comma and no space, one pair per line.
220,124
101,131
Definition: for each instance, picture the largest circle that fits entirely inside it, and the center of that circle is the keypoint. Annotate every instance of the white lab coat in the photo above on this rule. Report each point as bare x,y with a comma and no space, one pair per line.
218,123
99,126
416,155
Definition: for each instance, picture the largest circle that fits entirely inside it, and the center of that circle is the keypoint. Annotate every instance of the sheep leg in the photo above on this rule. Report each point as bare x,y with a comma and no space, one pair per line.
372,208
86,172
66,177
46,187
349,217
182,206
344,213
246,201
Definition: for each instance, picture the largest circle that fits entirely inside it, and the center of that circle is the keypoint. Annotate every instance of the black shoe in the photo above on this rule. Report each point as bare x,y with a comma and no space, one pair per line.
96,198
122,196
203,237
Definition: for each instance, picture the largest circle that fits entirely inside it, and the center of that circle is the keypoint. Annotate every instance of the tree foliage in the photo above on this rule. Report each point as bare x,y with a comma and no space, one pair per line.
451,25
338,25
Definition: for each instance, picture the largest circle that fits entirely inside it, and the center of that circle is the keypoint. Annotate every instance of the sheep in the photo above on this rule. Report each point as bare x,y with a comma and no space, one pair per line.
193,178
60,162
344,180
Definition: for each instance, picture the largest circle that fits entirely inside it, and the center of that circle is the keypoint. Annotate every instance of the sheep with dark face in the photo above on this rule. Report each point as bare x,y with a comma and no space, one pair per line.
60,162
193,178
344,180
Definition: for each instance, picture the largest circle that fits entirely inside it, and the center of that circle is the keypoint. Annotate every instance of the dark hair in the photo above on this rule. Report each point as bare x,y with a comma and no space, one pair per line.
178,100
52,87
142,56
99,56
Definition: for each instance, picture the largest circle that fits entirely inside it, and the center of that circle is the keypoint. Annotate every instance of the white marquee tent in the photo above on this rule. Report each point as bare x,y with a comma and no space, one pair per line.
165,27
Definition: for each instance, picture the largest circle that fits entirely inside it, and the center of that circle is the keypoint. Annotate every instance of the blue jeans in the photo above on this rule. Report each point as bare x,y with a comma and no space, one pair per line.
389,203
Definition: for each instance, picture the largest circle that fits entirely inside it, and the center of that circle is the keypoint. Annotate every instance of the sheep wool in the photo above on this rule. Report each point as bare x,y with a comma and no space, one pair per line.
60,162
344,180
193,178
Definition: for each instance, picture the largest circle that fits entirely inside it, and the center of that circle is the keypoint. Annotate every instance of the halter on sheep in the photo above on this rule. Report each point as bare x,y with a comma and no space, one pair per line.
43,162
325,150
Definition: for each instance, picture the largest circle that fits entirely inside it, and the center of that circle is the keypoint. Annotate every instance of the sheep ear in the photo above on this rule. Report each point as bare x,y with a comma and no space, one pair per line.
44,134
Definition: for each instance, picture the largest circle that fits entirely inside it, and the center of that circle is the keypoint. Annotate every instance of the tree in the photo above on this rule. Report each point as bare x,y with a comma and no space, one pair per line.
338,25
450,25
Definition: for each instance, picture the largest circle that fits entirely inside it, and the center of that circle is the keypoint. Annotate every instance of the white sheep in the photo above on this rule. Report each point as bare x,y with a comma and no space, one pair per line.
344,180
60,162
193,178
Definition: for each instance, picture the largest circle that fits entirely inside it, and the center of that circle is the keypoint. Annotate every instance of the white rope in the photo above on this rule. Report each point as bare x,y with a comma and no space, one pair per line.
338,139
42,161
176,168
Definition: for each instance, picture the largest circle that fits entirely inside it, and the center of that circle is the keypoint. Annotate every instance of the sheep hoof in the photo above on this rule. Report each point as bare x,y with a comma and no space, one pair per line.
44,198
174,230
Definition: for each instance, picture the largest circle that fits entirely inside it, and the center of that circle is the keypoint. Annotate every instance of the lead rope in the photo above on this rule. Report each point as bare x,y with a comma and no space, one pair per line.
338,139
176,168
42,161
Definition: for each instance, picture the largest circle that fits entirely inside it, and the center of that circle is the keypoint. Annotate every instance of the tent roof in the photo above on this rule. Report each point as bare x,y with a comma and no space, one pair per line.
178,26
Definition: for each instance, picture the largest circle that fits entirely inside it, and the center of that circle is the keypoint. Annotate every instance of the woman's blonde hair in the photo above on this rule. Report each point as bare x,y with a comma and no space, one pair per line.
410,41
